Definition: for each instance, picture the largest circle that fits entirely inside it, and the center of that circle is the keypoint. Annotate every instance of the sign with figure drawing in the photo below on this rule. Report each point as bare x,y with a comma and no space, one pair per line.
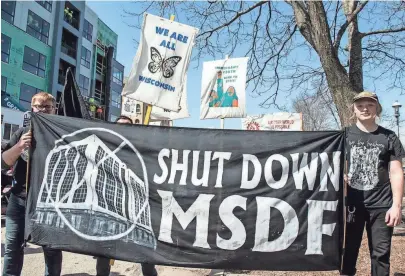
223,87
160,66
176,196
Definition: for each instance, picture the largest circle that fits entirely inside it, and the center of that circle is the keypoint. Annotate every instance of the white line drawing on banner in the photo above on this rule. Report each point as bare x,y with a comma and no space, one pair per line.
364,160
86,175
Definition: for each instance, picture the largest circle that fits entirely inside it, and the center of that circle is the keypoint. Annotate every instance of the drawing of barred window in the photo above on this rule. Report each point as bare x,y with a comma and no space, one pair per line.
91,186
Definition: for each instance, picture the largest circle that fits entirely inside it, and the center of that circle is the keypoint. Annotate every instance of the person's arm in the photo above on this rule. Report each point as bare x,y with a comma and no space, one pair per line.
16,146
393,217
394,214
235,103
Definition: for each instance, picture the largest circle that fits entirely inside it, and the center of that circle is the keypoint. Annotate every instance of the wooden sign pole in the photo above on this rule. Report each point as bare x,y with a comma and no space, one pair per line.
149,108
222,118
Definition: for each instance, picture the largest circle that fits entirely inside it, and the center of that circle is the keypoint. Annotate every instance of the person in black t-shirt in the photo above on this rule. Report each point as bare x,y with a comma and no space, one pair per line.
15,155
375,183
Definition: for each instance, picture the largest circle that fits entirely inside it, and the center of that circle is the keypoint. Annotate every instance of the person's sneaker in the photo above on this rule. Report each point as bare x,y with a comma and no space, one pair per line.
217,272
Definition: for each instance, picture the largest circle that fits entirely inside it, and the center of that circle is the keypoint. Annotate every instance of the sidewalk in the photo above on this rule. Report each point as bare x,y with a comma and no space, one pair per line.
81,265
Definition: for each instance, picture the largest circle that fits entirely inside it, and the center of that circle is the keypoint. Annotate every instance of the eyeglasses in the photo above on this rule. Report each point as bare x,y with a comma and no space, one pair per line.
40,107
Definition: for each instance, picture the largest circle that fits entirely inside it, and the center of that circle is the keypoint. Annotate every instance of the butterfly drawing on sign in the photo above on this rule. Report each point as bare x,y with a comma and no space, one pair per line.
160,64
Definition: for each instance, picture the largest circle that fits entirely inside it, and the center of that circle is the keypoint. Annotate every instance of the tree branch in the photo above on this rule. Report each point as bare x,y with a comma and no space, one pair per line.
387,31
342,29
273,56
334,24
239,14
386,54
302,20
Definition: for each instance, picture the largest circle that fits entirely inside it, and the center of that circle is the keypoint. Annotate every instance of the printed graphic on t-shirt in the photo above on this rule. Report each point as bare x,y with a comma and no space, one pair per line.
364,161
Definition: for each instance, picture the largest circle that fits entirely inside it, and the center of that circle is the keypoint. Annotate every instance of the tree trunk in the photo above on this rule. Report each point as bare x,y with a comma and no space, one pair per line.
340,86
319,36
354,47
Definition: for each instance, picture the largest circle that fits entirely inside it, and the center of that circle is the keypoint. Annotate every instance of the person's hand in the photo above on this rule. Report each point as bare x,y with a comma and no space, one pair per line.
393,216
346,179
25,141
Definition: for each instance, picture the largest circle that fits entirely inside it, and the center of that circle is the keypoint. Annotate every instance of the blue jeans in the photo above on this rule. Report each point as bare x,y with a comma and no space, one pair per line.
14,247
103,268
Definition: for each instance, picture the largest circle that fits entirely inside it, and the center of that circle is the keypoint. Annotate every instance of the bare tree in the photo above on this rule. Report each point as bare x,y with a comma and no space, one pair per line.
318,111
294,44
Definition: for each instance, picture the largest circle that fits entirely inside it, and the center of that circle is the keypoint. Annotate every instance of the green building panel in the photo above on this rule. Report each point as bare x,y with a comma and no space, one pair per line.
13,70
107,36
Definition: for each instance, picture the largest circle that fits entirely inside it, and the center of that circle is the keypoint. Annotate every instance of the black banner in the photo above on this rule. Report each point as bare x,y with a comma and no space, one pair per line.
187,197
71,102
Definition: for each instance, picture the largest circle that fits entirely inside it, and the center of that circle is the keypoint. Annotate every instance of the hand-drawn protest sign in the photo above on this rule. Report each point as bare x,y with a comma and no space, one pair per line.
187,197
223,87
131,107
161,114
276,121
160,66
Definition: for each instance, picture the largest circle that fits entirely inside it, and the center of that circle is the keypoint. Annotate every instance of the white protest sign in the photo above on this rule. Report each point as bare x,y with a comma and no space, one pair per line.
160,114
159,68
223,87
130,107
277,121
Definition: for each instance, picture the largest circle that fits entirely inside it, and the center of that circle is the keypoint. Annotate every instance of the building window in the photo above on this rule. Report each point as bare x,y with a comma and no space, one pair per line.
9,129
117,76
37,27
99,94
46,4
26,93
84,85
69,43
138,109
137,121
86,57
72,15
5,48
7,11
88,30
34,62
115,99
3,85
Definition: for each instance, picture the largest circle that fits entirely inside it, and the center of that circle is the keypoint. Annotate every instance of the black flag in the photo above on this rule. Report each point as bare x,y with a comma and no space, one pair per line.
72,103
266,200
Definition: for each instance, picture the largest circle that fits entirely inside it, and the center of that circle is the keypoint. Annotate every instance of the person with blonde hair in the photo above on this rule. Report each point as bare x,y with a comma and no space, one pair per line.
15,155
375,183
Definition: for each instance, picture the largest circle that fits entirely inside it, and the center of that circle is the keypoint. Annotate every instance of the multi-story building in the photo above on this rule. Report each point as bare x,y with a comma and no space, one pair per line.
40,40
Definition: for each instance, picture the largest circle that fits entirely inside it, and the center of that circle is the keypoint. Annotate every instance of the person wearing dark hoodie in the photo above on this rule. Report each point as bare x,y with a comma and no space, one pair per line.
15,155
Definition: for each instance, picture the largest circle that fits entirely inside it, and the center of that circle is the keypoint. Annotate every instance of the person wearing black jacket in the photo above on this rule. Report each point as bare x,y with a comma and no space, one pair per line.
15,155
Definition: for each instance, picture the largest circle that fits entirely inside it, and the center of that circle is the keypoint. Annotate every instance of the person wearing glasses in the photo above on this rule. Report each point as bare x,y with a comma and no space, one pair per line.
15,155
